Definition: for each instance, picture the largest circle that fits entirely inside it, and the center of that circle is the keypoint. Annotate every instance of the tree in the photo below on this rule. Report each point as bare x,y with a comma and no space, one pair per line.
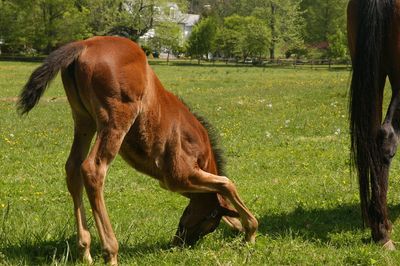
129,18
285,21
201,41
243,37
283,18
323,18
167,37
12,30
337,45
61,22
256,38
41,24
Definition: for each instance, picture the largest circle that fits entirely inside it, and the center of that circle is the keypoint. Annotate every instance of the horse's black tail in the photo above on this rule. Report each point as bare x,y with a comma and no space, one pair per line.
365,98
43,75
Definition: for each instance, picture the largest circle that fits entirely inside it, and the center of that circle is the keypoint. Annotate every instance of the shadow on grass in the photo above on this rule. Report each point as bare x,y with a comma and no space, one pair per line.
143,249
313,225
41,252
62,251
317,224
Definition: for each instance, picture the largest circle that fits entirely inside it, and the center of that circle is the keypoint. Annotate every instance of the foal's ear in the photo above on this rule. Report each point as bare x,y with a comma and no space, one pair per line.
228,212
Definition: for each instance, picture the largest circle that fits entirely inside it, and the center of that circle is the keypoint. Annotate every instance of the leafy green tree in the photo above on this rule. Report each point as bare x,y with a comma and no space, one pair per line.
168,37
243,37
338,45
285,21
62,22
256,38
46,24
227,38
41,24
129,18
283,18
201,41
323,18
12,30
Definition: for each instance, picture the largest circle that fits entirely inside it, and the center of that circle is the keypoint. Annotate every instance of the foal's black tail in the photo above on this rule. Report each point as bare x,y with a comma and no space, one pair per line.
43,75
365,100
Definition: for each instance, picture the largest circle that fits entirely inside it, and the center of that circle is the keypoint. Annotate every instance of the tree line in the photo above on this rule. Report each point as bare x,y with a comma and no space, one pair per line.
238,29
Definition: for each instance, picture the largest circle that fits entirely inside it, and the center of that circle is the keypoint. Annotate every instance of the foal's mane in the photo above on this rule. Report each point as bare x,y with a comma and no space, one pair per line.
217,150
215,144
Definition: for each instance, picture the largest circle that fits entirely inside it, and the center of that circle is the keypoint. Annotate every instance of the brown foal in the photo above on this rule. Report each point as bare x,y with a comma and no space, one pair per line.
114,94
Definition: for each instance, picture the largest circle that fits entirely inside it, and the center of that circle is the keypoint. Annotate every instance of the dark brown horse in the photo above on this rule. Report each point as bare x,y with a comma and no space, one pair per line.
374,41
114,94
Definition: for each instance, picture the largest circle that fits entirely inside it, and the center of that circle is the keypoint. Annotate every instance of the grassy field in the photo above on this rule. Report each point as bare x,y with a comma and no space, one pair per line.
286,140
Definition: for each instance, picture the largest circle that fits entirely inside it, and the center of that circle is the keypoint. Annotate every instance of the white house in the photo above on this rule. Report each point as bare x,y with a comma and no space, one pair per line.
186,21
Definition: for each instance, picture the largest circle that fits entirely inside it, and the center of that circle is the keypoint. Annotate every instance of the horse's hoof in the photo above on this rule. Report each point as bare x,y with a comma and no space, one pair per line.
389,245
87,259
251,239
177,242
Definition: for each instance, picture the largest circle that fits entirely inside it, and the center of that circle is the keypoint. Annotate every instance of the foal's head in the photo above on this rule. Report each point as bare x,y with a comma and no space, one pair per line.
201,217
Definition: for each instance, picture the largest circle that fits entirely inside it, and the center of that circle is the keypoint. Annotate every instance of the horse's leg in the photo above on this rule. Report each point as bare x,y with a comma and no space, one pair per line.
388,137
84,129
387,144
202,181
233,223
110,135
83,135
94,169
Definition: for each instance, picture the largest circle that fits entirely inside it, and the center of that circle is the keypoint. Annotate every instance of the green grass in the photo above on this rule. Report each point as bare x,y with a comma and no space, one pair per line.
286,140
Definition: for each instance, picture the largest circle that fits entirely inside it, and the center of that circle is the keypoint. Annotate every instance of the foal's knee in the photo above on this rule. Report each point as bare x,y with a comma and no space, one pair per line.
93,176
227,187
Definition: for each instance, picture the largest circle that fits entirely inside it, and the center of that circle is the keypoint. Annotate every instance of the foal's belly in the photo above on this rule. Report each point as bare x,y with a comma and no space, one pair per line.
140,161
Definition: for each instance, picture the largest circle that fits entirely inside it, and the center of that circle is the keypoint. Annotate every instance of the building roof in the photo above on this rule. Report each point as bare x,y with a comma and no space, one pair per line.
189,19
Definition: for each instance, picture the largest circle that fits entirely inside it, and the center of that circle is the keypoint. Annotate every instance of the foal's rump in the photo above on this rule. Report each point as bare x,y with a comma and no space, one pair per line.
90,64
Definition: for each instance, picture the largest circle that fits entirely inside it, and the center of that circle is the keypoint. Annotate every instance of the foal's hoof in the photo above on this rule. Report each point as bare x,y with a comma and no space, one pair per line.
86,258
250,238
389,246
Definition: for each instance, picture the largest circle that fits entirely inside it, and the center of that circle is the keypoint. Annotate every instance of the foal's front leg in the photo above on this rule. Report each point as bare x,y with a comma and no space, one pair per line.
110,135
94,170
202,181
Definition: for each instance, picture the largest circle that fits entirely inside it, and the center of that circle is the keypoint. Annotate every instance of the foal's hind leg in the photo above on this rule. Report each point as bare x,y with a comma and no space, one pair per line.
84,131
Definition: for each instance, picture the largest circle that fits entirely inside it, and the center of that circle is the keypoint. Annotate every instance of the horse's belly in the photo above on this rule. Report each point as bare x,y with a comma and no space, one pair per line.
140,162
